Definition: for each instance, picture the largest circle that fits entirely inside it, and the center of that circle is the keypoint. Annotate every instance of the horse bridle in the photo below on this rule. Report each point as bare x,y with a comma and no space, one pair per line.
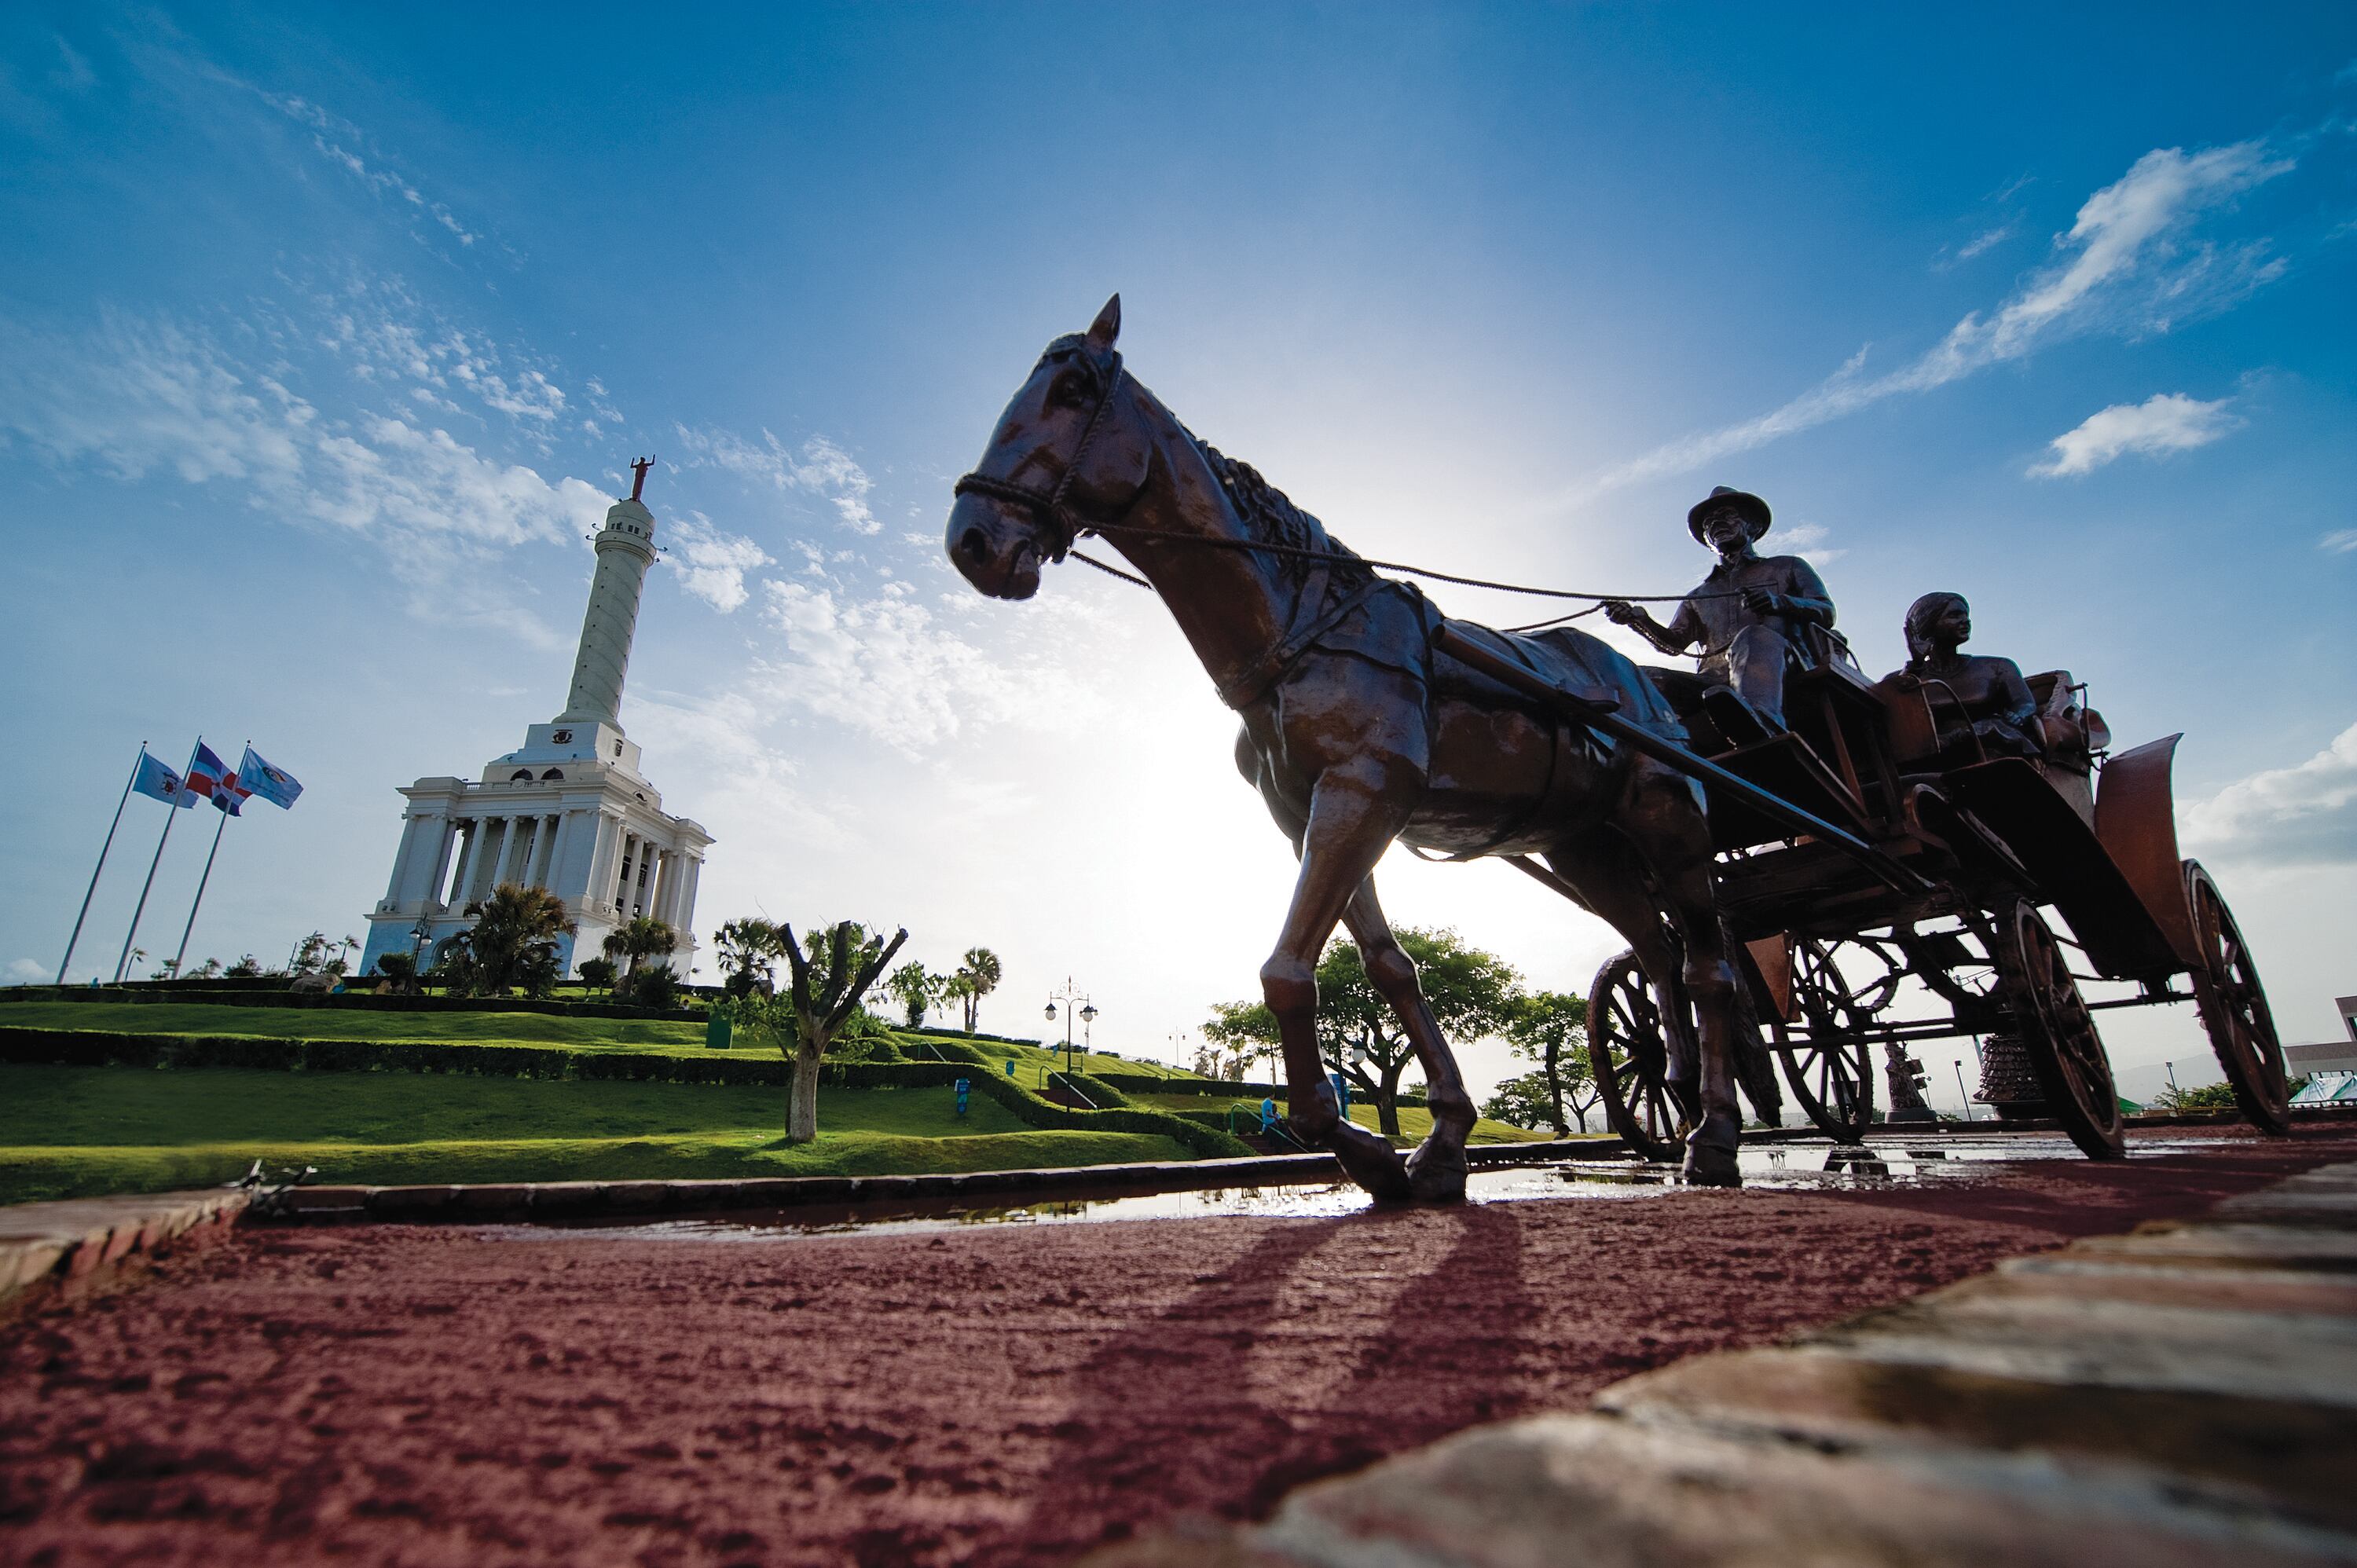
1049,507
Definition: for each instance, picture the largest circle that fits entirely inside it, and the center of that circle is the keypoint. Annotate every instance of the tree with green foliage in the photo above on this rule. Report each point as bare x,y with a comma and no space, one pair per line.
638,939
596,973
1551,1029
400,971
245,968
915,987
513,942
1471,994
831,968
978,976
1247,1032
749,948
1524,1101
2199,1096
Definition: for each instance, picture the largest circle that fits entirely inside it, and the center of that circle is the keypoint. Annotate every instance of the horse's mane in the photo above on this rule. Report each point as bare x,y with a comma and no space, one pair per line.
1273,518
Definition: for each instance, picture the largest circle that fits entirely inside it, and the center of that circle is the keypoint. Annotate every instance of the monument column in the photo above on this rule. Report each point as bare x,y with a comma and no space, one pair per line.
474,852
439,881
411,829
625,550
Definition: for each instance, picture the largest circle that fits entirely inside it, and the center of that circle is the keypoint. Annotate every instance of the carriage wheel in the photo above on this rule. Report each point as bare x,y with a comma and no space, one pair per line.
1629,1047
2234,1008
1828,1059
2059,1032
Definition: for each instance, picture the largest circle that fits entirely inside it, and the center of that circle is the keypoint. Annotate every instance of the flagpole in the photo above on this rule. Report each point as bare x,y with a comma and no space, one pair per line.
172,809
181,957
67,962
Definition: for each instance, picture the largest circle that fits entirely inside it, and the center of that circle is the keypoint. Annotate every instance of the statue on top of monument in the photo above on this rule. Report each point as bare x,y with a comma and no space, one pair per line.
1747,619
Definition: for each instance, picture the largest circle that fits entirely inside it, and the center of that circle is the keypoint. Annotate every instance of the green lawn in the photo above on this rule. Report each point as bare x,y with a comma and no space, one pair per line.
76,1132
1032,1061
355,1024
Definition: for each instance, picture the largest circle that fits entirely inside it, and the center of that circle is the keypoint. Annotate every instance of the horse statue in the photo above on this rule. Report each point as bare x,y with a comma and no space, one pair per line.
1357,730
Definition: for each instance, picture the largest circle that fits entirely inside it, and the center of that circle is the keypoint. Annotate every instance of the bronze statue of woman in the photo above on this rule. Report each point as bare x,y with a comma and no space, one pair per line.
1980,707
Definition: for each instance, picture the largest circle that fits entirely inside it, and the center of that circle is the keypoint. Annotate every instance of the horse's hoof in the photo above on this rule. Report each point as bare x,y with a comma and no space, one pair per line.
1437,1175
1375,1165
1709,1165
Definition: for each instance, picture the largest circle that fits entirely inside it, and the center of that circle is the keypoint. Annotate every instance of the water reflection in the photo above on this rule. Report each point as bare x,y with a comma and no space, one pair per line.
1809,1165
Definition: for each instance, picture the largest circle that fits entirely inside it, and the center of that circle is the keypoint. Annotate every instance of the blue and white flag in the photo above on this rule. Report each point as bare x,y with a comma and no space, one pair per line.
161,783
274,785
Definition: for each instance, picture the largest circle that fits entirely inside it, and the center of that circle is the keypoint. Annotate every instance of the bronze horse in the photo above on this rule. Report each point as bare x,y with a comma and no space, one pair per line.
1357,730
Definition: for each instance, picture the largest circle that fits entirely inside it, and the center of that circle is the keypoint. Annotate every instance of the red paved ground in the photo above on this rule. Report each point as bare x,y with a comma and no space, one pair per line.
998,1396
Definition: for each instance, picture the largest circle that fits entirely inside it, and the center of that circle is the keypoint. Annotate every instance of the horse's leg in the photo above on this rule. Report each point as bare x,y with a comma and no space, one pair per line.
1666,824
1351,822
1614,885
1435,1171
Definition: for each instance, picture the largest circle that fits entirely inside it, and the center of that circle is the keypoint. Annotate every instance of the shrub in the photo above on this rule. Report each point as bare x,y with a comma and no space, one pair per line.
597,974
656,987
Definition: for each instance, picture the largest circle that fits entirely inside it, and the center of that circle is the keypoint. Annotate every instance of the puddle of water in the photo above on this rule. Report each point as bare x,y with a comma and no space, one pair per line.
1886,1163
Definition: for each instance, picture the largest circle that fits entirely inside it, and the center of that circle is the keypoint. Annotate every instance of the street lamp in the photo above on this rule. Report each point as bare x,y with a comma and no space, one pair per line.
1960,1095
1074,1002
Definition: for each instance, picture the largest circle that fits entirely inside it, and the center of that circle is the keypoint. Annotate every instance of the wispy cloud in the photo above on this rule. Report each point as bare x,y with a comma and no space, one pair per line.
819,467
886,666
1807,540
135,396
1985,241
2126,266
712,562
377,177
2166,422
2302,816
2340,542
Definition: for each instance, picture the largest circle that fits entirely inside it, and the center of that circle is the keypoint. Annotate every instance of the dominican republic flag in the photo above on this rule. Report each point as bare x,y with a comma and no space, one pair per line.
160,782
275,785
207,774
228,793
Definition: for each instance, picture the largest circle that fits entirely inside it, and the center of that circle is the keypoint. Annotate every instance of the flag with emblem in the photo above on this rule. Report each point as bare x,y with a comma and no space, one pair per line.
259,779
158,781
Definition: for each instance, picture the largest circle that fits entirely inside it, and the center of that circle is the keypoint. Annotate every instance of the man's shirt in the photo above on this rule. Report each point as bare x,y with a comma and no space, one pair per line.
1709,618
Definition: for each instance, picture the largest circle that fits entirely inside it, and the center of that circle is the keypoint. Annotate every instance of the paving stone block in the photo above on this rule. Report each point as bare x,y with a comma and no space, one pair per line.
411,1203
1619,1494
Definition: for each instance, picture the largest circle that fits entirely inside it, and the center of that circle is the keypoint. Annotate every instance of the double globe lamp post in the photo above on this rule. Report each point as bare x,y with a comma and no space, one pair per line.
1074,1002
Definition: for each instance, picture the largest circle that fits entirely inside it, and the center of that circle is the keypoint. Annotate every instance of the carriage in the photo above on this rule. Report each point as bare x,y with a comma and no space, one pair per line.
1854,857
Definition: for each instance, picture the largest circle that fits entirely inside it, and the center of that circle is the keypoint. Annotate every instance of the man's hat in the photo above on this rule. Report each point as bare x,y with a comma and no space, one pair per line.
1753,509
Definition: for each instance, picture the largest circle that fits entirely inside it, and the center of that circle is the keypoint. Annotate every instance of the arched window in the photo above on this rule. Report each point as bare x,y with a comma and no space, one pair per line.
552,775
521,776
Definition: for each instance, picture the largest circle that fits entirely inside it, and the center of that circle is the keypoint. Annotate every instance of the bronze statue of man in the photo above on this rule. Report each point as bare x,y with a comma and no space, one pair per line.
1745,620
1980,707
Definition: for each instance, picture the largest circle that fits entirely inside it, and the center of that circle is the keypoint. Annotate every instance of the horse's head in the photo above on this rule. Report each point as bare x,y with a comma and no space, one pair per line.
1063,454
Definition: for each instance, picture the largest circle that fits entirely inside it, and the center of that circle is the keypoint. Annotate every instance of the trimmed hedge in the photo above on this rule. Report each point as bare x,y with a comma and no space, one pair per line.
358,1001
1140,1083
95,1047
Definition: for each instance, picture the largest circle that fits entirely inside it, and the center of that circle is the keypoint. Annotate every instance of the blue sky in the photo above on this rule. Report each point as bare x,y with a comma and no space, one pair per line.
324,334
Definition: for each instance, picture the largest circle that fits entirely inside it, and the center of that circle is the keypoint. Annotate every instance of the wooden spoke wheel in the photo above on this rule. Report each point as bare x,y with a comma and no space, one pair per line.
2234,1008
1827,1054
1629,1046
2055,1027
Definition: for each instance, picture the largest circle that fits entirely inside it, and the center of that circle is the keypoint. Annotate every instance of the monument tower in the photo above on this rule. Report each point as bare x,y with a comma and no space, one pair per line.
569,810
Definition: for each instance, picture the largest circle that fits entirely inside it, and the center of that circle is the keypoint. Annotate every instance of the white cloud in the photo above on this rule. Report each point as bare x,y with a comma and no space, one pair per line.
820,468
2166,422
2301,816
1987,240
1807,540
712,563
135,397
29,972
884,667
2340,542
2127,269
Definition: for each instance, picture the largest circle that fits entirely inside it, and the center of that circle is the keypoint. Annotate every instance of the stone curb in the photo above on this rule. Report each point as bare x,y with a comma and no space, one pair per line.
2183,1395
580,1201
53,1250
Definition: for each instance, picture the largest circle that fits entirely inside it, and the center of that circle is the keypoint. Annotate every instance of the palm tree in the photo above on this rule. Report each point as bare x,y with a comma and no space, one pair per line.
748,947
644,936
981,973
513,940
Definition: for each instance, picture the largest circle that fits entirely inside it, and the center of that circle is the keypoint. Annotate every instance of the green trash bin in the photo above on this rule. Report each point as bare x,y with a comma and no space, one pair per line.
716,1030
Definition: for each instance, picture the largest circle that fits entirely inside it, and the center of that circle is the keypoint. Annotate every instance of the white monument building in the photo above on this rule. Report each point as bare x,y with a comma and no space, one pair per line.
567,811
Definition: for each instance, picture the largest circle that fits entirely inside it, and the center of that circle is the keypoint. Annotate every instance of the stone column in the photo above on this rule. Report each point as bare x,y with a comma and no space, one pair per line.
474,852
411,831
440,879
543,848
695,873
513,838
604,845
